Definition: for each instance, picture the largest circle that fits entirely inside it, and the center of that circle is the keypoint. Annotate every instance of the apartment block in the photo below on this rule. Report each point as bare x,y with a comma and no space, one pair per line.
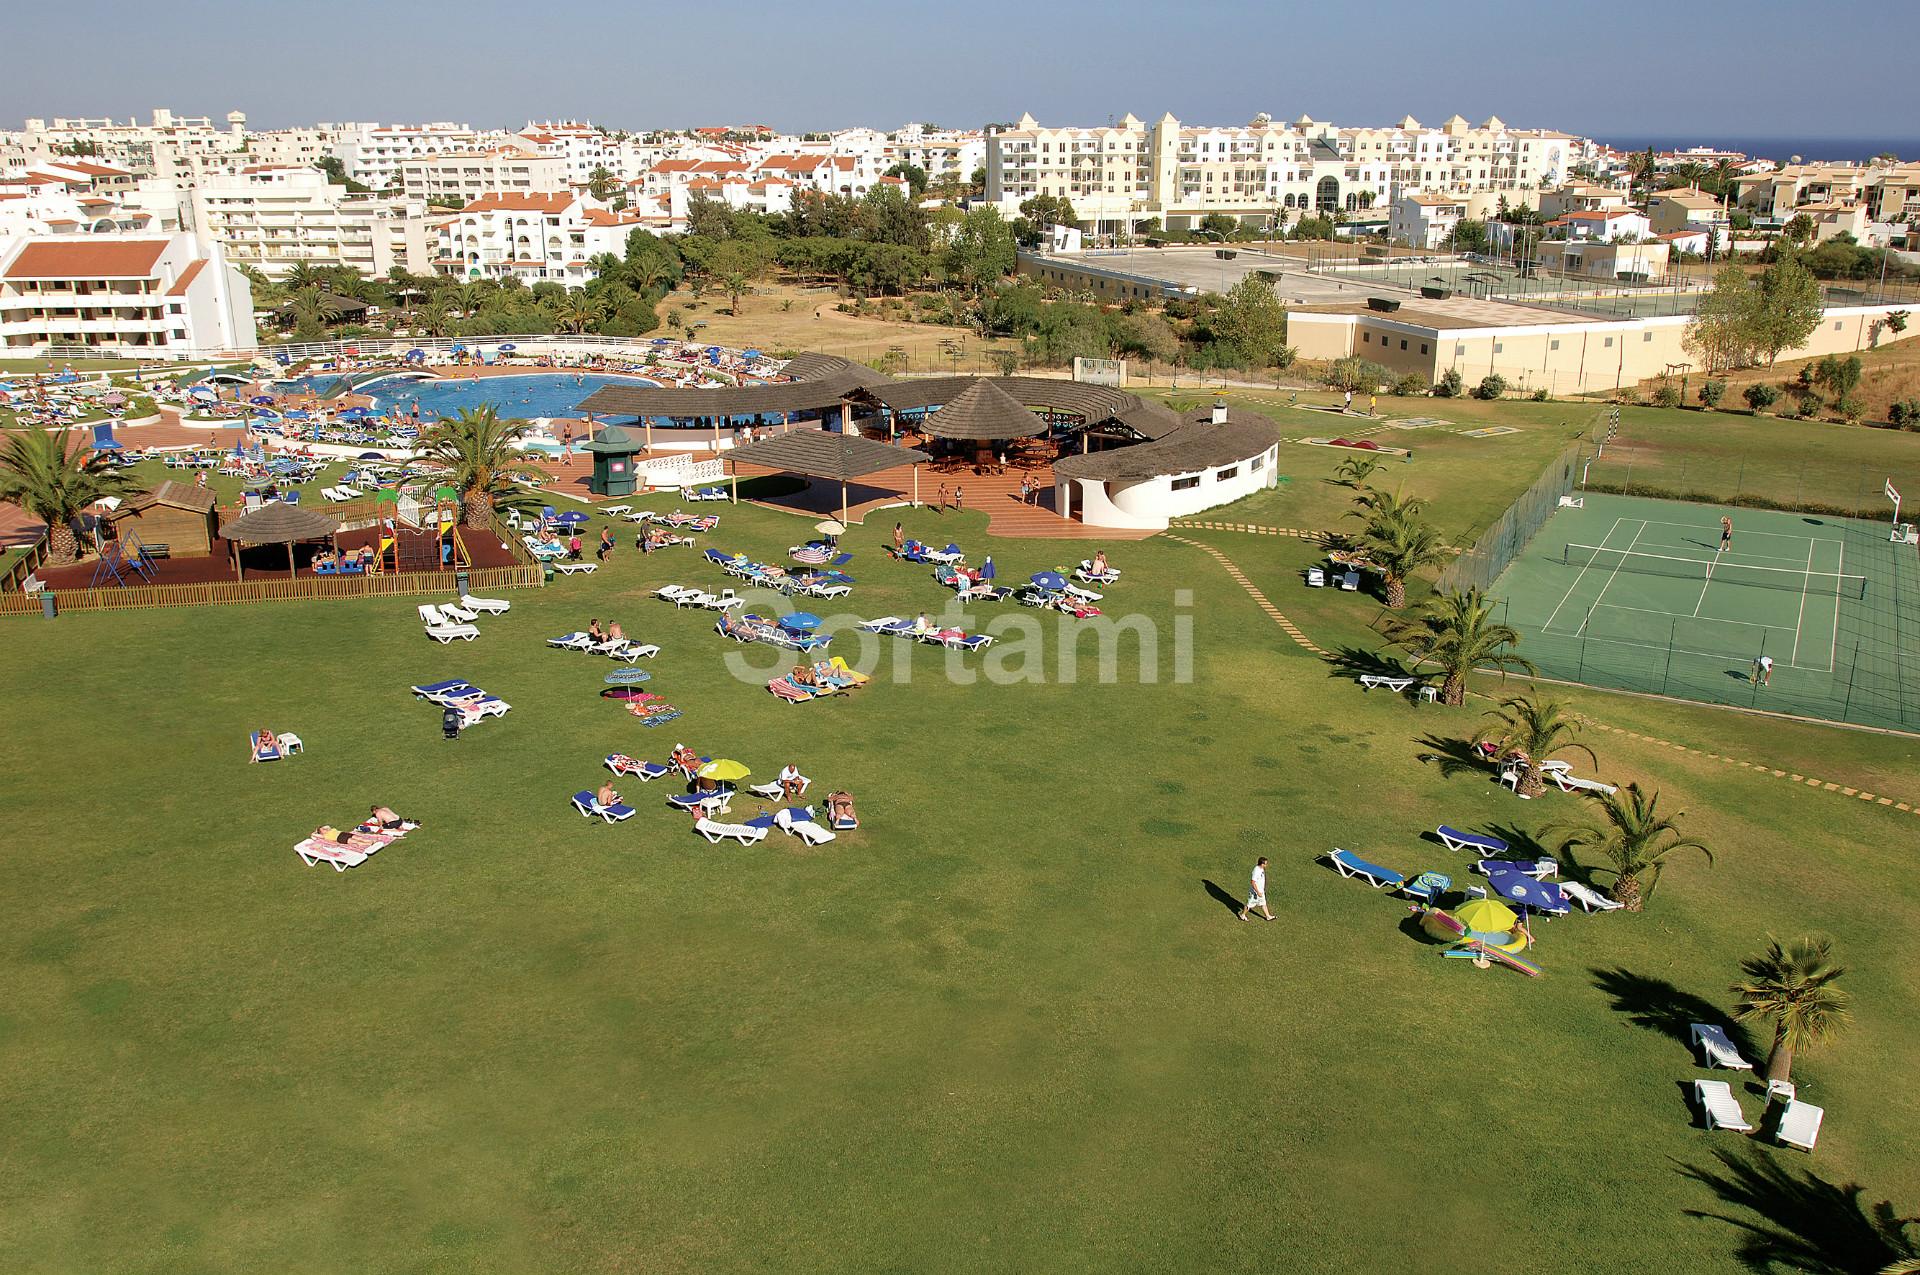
163,296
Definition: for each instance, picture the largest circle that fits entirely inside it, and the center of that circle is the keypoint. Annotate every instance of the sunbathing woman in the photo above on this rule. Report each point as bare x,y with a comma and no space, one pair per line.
266,745
840,807
594,631
801,675
352,840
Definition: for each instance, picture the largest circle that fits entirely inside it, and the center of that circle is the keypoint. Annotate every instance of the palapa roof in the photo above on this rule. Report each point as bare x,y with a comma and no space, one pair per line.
279,523
171,494
984,412
821,381
820,454
1197,444
1093,404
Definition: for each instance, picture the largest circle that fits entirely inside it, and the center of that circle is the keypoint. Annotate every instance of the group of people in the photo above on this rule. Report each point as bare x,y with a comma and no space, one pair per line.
611,633
369,835
819,673
344,559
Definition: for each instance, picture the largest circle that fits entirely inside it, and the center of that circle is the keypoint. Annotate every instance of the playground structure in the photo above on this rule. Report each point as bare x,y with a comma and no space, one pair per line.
121,557
419,535
1484,931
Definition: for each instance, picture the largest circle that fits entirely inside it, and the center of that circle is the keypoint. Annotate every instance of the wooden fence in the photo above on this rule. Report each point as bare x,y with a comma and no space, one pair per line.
303,588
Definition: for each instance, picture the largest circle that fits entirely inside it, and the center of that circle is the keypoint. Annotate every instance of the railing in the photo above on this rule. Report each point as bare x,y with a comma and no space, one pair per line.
15,577
303,588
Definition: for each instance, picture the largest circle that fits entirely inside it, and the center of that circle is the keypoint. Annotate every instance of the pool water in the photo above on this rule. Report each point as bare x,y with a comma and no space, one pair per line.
522,397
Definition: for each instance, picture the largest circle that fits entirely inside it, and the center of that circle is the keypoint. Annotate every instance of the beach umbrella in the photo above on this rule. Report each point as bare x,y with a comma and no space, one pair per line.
752,354
987,569
1524,890
802,620
415,356
261,400
1049,579
1486,916
508,347
722,770
458,348
201,391
571,518
114,398
831,527
366,455
628,677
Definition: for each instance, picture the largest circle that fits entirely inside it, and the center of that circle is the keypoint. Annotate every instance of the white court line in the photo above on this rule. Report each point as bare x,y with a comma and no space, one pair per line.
1806,587
1610,579
1547,627
1705,584
1752,624
1681,650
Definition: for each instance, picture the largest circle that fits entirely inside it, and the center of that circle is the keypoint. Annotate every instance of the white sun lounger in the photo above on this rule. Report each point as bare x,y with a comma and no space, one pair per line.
459,615
1719,1109
615,509
628,650
487,606
444,633
745,834
571,642
672,591
879,623
829,590
639,515
1591,900
570,568
341,857
1716,1050
1397,684
693,598
805,829
1570,782
1799,1124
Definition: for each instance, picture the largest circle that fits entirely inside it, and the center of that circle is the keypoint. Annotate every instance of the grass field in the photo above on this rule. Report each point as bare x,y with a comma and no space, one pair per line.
1009,1024
791,316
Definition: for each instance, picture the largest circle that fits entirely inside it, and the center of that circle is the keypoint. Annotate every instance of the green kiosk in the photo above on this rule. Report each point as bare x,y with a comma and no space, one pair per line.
613,468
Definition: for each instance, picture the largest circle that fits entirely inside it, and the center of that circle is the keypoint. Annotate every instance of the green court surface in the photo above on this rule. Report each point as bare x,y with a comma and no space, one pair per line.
1636,594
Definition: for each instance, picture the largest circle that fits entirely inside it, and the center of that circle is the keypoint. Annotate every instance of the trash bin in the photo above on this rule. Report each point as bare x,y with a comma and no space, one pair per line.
462,583
48,607
450,723
546,570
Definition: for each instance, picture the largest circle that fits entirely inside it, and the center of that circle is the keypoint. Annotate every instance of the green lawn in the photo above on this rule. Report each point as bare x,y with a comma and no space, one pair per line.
1010,1024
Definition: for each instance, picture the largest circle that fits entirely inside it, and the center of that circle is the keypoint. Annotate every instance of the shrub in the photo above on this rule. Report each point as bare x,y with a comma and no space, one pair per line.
1541,396
1851,407
1761,396
1712,392
1449,386
1667,396
1411,385
1491,387
1905,413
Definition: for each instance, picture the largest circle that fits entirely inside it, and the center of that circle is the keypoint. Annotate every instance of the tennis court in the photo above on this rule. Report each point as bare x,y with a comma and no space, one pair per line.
1638,594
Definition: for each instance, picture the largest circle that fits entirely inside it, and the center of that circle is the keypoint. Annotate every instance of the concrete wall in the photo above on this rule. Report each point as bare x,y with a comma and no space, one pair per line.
1154,502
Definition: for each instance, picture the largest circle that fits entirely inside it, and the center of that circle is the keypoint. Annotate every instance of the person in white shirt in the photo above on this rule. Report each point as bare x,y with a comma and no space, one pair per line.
1763,670
792,782
1257,895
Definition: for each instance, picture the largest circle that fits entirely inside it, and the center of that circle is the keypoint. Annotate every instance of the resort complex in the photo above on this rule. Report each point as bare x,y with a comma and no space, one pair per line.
976,697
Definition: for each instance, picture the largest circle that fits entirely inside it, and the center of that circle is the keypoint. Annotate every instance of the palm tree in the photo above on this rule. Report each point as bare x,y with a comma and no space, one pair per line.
1534,729
477,447
1791,986
314,306
1457,632
576,312
1373,504
1641,168
1398,545
1636,838
1355,470
53,478
304,275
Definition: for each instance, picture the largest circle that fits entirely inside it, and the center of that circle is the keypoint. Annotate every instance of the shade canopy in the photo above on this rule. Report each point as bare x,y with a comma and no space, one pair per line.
818,454
723,770
279,523
831,527
983,412
800,620
1517,887
1486,916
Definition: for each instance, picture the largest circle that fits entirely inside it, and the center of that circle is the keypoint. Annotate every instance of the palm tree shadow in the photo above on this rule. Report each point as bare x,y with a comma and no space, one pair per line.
1455,757
1657,1005
1225,900
1796,1220
1352,661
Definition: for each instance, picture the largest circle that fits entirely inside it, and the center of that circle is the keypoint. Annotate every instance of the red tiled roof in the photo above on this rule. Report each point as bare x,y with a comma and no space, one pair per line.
81,259
515,201
187,276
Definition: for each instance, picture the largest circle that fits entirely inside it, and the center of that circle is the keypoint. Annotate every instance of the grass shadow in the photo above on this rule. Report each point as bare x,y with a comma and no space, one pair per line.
1221,897
1792,1219
1456,757
1352,661
1657,1005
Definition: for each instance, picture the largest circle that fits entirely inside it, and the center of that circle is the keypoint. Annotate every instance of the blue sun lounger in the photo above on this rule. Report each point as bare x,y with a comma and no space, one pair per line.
1427,887
589,806
1349,864
1456,841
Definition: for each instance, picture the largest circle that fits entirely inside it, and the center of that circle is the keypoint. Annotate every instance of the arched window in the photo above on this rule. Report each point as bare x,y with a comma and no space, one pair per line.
1327,195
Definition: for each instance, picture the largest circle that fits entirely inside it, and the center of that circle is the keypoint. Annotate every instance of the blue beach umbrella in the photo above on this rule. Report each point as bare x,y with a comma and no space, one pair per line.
987,568
628,677
508,348
1049,579
571,518
801,620
261,400
1517,887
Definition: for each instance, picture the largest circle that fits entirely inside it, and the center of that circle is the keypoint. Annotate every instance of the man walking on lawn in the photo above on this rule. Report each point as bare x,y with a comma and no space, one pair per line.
1257,895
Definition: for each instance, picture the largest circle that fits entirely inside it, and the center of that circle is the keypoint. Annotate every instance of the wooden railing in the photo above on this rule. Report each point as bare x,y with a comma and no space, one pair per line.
302,588
14,578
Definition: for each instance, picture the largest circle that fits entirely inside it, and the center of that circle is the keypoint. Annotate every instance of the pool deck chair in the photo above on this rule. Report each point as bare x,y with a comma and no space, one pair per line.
589,806
486,606
1570,782
746,834
341,857
1456,841
1396,684
1538,869
266,750
799,821
1348,864
645,771
1590,899
1719,1109
1799,1124
1715,1049
571,642
570,568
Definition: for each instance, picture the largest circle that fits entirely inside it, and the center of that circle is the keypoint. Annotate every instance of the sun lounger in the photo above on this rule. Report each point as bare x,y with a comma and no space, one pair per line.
483,706
968,642
1590,899
639,515
1396,684
829,590
341,857
671,591
1456,840
458,615
432,689
645,771
1348,864
1719,1109
785,688
1316,578
1538,869
571,642
693,598
448,632
879,624
610,510
570,568
1716,1049
710,802
589,806
800,822
629,650
1569,782
1799,1124
487,606
1350,581
745,833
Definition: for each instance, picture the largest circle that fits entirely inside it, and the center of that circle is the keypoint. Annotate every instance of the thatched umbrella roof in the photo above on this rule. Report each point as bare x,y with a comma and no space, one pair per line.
819,454
983,412
279,523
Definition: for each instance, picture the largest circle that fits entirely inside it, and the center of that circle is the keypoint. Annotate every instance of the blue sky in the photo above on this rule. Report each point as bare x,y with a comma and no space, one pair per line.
1718,69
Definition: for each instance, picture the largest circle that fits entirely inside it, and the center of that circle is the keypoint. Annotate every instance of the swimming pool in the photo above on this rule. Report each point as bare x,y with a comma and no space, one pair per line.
523,397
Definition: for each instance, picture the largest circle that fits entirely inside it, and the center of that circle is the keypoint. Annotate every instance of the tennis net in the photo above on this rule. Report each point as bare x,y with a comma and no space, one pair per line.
1829,584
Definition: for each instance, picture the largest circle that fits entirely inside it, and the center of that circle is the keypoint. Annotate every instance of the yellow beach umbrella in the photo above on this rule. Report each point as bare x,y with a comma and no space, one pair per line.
1487,916
724,770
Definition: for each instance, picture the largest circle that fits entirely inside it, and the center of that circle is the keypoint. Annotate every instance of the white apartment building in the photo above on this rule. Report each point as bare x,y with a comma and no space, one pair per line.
580,148
532,237
945,159
302,146
374,154
1580,197
275,217
39,203
462,176
1424,220
165,296
1890,192
166,147
1127,173
1607,225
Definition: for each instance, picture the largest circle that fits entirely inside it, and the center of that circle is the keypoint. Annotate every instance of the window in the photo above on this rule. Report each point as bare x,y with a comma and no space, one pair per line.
1645,337
1499,347
1257,464
1403,343
1836,324
1186,484
1423,347
1366,337
1231,471
1609,344
1554,344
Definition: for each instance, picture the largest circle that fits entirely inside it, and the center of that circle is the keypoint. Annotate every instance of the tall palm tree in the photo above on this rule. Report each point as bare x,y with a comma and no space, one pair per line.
1641,168
1535,729
1398,545
1790,986
1456,631
576,312
477,447
315,306
304,275
1636,839
54,477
